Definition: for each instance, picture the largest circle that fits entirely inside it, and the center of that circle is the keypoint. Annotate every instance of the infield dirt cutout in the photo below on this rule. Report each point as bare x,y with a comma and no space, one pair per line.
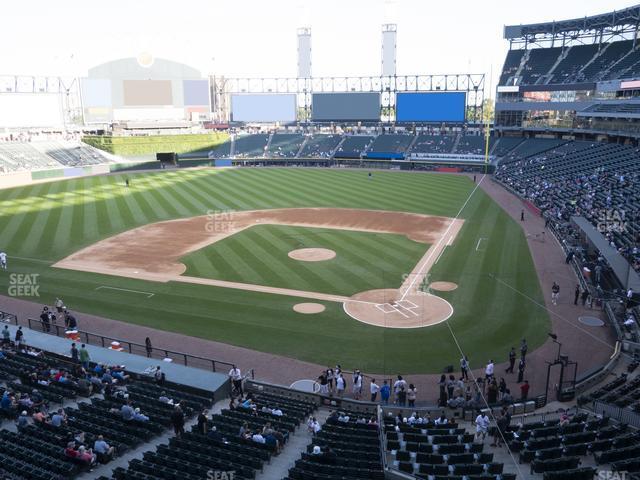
309,308
152,252
312,254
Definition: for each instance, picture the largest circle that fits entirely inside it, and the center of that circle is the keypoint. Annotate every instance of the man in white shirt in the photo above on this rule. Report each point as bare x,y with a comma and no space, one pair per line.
488,371
277,412
340,385
236,379
374,389
3,260
482,425
258,438
357,384
400,382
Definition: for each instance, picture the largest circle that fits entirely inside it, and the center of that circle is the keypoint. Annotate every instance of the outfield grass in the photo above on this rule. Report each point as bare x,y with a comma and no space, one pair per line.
40,224
258,255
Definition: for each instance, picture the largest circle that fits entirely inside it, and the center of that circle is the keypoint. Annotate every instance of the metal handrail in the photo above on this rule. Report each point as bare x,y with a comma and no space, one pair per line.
133,347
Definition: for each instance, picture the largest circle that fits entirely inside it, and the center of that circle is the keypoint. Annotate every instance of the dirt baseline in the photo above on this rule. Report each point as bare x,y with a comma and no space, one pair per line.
153,252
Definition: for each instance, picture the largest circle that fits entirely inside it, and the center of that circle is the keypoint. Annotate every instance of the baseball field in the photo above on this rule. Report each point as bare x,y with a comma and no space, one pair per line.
226,255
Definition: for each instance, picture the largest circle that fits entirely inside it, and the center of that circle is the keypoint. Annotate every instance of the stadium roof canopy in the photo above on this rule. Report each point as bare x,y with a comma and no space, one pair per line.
618,22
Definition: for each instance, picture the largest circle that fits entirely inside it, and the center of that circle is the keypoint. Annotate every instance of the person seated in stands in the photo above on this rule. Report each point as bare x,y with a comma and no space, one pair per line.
79,439
25,402
332,419
258,438
95,382
8,403
507,398
269,435
316,454
159,376
342,417
37,399
457,402
104,452
59,418
119,374
441,420
315,426
374,421
363,421
164,399
266,409
99,369
39,416
399,418
139,416
107,378
244,428
119,392
203,422
249,405
23,420
84,386
84,456
277,412
127,411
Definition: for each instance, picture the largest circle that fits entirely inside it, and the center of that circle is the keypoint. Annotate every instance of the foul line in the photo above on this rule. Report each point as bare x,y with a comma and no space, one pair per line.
441,252
478,244
148,294
555,314
442,237
28,259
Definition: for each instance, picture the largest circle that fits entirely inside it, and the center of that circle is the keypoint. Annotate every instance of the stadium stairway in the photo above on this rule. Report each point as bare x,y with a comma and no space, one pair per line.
298,441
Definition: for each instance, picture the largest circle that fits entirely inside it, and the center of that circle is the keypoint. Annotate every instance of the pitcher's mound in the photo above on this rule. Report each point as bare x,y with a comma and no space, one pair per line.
388,308
443,286
309,307
312,254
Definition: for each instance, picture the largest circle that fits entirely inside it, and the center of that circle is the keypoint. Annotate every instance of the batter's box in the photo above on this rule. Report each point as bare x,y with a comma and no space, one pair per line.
386,307
406,304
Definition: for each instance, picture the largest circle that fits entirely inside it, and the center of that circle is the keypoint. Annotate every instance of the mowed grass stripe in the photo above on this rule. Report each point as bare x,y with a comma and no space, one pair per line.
282,239
39,228
25,223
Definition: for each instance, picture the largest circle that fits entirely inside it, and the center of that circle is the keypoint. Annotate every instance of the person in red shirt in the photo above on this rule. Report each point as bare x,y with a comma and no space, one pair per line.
524,390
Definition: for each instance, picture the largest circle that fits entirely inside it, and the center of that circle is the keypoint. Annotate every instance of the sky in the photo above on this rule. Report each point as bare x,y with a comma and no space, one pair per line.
258,37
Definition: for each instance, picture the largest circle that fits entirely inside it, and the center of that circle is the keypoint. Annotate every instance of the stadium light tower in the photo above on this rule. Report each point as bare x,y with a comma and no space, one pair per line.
389,31
304,52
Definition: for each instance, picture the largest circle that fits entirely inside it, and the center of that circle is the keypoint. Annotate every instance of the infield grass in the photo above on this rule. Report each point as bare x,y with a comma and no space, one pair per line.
258,255
43,223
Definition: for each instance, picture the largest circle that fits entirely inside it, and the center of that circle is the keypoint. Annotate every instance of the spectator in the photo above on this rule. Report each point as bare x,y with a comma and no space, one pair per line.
84,356
148,347
507,398
59,418
203,422
482,425
411,395
127,411
164,399
6,336
23,420
19,338
139,416
104,452
177,420
74,353
524,390
374,389
44,318
341,385
236,380
385,393
464,367
159,376
357,385
488,371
